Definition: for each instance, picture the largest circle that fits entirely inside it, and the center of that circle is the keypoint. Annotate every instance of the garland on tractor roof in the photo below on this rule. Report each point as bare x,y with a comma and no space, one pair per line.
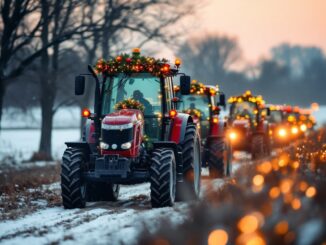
198,88
135,63
247,96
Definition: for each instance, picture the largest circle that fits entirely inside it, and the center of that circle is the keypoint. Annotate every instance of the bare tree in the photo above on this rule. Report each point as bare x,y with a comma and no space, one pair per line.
57,22
209,58
15,35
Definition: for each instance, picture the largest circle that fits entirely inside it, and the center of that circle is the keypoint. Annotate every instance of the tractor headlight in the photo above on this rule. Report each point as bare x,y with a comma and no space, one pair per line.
303,127
126,146
104,146
294,130
233,135
282,132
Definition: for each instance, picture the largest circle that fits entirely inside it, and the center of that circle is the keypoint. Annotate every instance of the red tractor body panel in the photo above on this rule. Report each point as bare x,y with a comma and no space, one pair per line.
121,118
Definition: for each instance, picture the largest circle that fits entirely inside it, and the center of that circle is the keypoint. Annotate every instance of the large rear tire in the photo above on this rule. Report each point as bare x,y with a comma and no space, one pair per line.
219,158
163,178
189,189
102,192
73,188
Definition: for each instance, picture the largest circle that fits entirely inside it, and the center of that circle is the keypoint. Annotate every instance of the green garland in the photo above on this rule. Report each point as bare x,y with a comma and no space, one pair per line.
134,63
129,104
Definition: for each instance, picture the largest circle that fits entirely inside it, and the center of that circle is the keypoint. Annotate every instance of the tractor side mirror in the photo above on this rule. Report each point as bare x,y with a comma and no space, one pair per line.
268,111
222,101
185,85
79,85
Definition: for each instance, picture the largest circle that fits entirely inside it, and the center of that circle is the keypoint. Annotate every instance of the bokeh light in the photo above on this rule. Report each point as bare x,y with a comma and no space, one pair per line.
311,192
218,237
281,228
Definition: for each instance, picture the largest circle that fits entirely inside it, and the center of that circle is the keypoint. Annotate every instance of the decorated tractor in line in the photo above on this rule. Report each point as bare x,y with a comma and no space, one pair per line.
249,128
281,131
204,104
134,135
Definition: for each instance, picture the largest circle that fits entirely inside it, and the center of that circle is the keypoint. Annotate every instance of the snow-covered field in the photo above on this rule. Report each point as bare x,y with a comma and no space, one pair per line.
22,143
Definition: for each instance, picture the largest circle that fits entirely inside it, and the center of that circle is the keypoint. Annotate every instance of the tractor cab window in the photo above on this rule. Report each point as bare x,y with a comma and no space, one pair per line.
244,109
197,107
144,88
276,117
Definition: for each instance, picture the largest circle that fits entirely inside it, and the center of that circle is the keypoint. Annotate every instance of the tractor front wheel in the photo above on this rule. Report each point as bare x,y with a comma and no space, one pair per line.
73,188
190,187
163,178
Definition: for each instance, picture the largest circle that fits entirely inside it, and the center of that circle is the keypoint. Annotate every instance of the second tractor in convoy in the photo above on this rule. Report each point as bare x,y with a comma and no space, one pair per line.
204,104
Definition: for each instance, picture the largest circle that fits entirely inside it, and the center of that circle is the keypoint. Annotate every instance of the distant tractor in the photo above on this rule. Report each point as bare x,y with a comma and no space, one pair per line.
135,135
204,104
249,128
280,130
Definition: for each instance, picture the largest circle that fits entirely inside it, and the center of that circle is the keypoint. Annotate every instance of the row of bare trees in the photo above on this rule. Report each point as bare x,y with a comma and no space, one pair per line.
37,37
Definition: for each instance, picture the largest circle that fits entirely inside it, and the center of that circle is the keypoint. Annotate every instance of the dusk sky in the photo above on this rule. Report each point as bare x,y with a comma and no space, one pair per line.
262,24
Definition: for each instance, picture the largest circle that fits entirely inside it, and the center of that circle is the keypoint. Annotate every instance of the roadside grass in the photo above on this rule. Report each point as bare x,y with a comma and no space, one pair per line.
22,191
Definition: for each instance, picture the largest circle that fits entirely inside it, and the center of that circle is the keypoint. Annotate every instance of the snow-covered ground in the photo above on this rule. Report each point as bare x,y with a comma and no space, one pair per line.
99,223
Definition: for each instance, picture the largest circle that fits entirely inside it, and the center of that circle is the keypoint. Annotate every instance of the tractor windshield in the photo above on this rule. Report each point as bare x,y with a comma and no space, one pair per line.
244,109
143,88
195,102
276,116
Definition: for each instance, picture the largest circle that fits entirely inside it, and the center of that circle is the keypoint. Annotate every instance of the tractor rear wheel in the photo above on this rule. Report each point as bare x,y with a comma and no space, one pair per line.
219,158
73,188
257,147
163,177
189,189
216,157
102,192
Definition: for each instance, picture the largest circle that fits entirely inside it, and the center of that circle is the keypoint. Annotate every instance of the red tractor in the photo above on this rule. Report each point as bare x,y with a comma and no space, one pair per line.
135,135
280,130
249,127
204,104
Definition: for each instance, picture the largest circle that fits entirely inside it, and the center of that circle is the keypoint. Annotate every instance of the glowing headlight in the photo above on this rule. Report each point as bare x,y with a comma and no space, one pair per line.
126,146
294,130
117,127
282,132
104,146
303,127
232,135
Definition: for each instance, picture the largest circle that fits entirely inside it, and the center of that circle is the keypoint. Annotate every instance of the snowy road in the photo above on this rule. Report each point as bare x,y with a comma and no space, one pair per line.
99,223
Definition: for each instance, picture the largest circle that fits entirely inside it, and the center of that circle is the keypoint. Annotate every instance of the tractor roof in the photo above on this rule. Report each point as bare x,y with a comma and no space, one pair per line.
200,88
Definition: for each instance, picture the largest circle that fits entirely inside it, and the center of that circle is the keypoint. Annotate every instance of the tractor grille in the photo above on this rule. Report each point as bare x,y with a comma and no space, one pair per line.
117,137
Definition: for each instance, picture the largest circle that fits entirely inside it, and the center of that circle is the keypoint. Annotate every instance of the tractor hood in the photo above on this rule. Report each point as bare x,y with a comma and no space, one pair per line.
123,117
241,123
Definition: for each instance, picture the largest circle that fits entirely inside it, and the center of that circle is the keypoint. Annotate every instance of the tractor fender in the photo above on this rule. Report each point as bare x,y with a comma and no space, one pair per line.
84,146
89,132
179,125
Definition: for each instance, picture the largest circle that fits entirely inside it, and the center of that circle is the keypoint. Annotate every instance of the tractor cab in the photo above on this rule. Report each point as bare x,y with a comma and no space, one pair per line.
203,104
